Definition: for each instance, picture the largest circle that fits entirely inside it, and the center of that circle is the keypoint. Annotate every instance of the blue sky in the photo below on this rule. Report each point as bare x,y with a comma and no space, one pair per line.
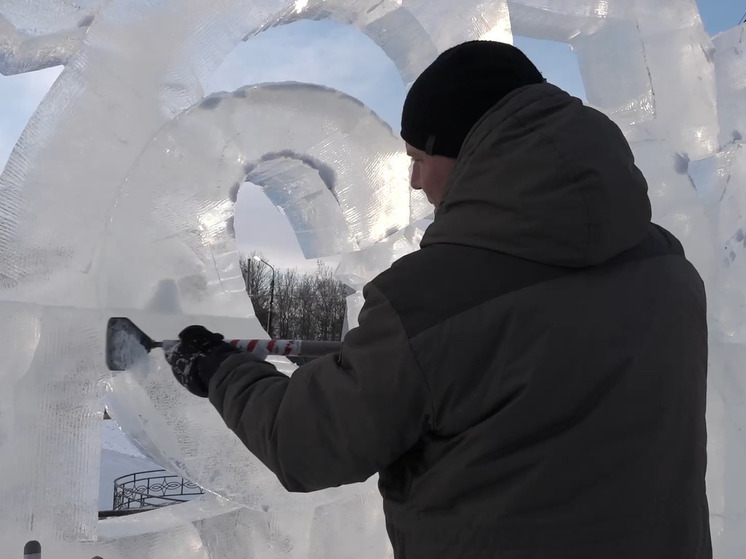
316,52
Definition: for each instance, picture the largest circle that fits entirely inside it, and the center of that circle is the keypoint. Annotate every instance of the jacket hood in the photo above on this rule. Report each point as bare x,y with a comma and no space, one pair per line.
543,177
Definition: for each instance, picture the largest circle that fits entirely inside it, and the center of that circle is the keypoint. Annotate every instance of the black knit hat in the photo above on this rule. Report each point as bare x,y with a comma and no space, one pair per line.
456,90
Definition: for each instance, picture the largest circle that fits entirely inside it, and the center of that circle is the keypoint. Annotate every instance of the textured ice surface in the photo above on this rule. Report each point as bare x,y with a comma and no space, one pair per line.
730,62
563,20
358,268
50,420
118,200
637,65
36,35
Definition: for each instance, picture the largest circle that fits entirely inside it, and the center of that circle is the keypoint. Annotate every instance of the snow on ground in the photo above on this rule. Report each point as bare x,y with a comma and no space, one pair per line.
118,458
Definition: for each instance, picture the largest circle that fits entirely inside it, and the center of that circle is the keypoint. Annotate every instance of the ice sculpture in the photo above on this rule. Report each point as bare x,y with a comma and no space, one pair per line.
118,199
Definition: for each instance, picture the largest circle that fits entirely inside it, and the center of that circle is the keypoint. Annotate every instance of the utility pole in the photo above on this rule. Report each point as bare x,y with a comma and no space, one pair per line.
271,292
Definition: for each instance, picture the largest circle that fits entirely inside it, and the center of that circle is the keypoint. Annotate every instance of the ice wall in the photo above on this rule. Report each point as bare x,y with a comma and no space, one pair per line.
118,199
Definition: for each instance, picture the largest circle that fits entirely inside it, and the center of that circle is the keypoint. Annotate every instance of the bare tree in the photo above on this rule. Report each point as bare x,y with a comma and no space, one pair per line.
331,299
306,306
257,278
285,313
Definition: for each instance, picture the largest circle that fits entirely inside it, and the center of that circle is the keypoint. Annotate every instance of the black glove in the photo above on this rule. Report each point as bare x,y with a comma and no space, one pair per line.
196,358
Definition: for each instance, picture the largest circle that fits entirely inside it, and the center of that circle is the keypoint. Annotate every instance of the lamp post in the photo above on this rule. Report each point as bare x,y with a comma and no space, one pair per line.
271,292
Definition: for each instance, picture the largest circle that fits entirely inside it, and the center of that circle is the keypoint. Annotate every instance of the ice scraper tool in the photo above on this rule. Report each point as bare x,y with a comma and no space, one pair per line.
126,343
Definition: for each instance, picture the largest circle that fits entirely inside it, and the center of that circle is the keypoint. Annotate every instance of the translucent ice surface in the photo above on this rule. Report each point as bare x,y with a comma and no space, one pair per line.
636,66
36,35
118,200
730,63
338,173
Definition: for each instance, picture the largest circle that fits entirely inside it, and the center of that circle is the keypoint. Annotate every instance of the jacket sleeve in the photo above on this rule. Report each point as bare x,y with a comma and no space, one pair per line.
340,418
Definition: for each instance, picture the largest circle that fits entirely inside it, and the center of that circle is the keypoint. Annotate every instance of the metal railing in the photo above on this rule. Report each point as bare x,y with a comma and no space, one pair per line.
152,489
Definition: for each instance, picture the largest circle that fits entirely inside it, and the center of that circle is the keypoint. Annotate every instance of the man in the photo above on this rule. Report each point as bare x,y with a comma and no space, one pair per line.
531,384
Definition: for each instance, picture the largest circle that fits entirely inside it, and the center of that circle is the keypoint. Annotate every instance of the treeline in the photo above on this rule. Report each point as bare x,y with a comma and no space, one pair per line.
309,306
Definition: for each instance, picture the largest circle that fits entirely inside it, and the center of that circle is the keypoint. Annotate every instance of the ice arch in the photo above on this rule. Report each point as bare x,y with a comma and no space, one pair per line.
139,65
132,66
195,164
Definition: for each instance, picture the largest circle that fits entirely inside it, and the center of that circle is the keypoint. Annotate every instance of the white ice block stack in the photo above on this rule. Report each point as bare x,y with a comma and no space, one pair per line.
102,214
49,420
730,64
649,66
725,196
55,196
635,56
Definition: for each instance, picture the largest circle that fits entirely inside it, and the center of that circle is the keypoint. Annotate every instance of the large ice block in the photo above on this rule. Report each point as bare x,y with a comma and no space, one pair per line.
21,52
50,412
730,71
647,65
651,70
604,56
726,200
563,20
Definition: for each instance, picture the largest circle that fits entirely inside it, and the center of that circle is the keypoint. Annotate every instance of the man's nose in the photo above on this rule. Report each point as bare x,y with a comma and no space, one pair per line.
414,177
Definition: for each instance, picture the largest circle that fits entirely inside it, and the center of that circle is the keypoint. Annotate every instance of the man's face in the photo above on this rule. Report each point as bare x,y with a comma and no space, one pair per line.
430,173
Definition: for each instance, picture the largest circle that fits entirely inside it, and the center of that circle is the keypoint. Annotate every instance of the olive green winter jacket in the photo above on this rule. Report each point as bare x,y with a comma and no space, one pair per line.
531,384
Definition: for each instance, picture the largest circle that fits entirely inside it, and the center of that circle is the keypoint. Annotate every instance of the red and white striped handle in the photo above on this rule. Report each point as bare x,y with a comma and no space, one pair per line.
286,348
